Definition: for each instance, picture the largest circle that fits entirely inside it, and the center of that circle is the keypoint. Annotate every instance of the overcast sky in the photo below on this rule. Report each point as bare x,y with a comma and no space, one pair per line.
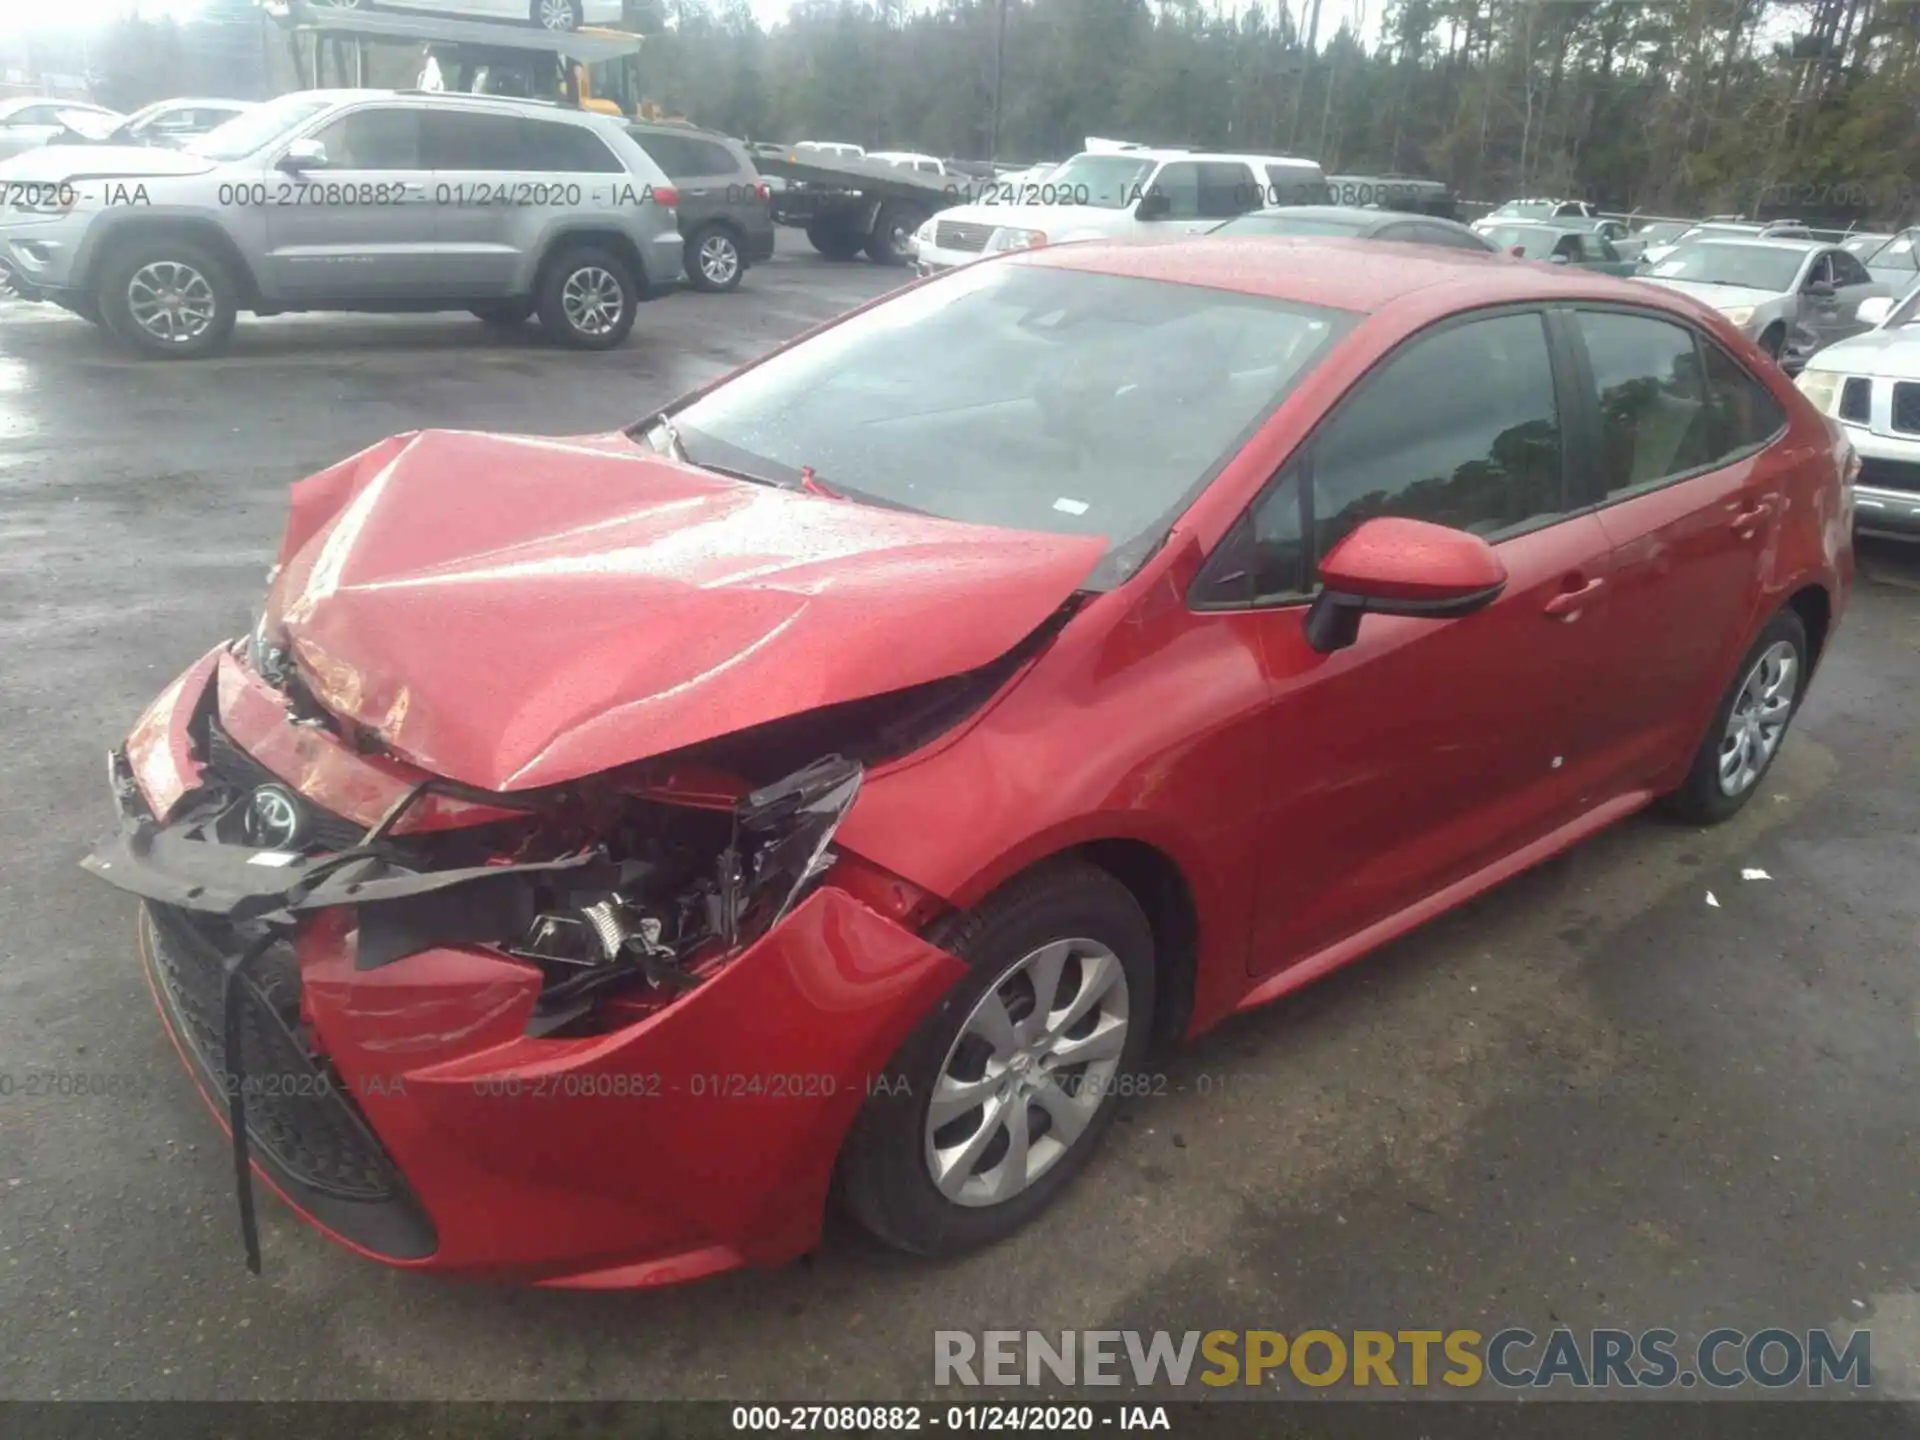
770,12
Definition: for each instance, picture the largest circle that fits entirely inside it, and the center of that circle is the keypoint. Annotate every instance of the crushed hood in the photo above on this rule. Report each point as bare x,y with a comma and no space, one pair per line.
512,612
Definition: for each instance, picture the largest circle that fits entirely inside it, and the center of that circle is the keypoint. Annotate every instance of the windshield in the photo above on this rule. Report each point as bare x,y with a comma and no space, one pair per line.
1861,246
1289,225
1022,396
1534,242
246,133
1111,182
1758,267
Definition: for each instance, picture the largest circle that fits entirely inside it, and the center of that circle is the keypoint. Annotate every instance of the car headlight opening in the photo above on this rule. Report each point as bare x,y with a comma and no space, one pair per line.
1820,386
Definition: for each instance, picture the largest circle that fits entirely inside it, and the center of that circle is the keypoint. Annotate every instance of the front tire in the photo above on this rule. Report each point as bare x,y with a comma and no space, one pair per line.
168,299
588,299
1749,725
1774,343
1001,1094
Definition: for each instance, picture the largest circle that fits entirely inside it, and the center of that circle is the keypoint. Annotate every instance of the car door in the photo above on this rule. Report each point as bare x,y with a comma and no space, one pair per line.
1819,302
1691,502
360,227
1852,284
480,163
1896,264
1430,749
1200,194
700,170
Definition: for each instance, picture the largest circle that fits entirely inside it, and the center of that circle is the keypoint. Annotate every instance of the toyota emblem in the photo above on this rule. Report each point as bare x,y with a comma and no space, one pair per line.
273,818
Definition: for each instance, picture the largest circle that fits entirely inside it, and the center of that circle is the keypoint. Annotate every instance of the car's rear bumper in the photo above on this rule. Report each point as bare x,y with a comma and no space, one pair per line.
407,1112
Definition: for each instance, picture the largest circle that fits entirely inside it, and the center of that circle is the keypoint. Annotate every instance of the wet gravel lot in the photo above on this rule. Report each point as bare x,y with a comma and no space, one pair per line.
1587,1099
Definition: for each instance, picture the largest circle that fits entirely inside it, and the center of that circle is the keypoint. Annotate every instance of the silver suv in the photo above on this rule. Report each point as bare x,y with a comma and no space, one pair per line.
349,200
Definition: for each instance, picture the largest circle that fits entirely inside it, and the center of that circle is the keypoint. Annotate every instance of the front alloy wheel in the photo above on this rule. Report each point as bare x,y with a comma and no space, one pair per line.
1000,1095
716,261
1027,1072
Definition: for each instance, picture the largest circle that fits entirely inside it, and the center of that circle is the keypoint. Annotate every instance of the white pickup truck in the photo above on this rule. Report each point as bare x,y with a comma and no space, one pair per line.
1107,195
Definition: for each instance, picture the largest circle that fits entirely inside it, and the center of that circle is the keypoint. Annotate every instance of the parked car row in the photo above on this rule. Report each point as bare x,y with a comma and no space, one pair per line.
375,200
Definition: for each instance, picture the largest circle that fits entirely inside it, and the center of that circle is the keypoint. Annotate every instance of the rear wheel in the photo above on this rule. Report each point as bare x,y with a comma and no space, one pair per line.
588,298
1748,727
1001,1094
892,233
834,238
555,14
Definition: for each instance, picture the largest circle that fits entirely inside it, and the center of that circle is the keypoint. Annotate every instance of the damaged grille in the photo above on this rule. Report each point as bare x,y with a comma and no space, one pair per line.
303,1128
234,767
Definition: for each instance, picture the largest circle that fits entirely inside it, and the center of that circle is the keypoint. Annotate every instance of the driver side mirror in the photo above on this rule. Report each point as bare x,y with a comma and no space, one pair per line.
304,155
1396,566
1154,205
1820,289
1559,257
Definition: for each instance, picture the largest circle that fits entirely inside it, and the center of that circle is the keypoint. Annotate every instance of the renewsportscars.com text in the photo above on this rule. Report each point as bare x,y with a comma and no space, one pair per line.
1513,1358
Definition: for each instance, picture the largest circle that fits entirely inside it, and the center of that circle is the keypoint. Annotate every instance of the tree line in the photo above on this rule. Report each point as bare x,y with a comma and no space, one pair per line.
1808,108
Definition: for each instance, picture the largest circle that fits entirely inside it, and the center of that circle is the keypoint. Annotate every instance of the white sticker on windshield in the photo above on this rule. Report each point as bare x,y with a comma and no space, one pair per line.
1070,507
273,857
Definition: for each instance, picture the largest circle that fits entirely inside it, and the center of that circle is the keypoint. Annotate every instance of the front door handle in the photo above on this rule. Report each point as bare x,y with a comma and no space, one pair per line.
1569,603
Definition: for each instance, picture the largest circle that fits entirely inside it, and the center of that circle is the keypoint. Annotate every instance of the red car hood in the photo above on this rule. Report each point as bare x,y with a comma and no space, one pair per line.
511,612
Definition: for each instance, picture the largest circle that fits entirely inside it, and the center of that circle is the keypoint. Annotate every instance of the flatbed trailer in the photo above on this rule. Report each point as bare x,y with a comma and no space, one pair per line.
859,205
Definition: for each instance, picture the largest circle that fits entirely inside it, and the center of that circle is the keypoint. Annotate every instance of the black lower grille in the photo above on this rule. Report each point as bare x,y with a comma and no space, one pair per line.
321,829
296,1112
1889,474
1906,407
304,1129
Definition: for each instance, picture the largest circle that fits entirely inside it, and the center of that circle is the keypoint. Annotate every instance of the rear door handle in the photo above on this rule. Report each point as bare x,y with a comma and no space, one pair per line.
1570,603
1747,519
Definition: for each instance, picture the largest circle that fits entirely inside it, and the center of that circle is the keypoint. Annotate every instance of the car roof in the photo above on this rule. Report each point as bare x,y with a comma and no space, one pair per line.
1767,242
1357,275
1356,214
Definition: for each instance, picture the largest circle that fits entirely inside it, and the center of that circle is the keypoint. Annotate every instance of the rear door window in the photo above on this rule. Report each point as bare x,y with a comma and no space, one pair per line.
1654,420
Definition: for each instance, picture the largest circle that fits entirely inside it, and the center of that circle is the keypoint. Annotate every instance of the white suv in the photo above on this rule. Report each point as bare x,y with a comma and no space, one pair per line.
1133,194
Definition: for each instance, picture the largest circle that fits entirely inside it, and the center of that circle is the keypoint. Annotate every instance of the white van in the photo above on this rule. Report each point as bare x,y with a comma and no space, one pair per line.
1110,195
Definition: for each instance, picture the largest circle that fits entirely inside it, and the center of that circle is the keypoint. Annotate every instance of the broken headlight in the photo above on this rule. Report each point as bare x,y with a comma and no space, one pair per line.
696,885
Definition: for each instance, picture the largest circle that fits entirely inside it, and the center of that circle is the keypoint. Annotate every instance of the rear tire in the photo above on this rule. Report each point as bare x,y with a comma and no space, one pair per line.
588,298
1748,728
886,1178
151,286
892,233
834,239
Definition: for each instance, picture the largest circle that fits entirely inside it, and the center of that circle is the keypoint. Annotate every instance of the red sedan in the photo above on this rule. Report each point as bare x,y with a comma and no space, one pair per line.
606,851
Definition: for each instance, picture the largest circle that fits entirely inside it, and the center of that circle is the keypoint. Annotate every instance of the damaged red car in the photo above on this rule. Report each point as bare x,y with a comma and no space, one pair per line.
605,852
